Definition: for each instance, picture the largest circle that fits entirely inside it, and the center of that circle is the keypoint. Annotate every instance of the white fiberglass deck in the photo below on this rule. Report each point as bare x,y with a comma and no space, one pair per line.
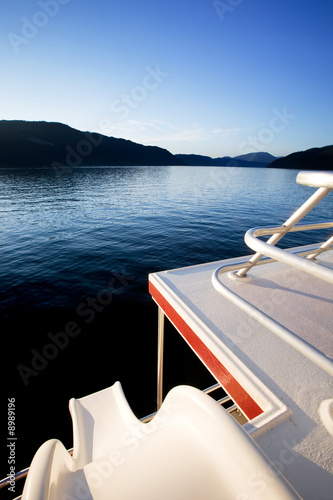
277,388
264,329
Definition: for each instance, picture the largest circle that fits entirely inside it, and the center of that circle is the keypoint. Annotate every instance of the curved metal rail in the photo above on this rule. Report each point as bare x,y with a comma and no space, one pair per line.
277,254
301,345
267,252
288,225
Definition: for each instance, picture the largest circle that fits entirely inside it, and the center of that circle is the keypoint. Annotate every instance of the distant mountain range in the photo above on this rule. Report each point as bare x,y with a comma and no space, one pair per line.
55,145
247,160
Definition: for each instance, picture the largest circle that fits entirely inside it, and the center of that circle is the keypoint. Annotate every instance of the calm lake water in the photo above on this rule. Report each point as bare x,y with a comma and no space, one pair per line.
76,250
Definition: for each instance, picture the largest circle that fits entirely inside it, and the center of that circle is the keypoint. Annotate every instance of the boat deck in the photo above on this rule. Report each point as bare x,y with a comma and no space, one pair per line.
280,390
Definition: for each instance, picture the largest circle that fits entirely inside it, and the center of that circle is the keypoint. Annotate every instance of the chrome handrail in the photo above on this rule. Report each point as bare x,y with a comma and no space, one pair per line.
267,252
317,196
305,265
301,345
19,475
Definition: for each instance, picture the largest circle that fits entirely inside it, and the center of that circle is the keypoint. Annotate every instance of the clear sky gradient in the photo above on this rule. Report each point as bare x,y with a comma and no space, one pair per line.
193,76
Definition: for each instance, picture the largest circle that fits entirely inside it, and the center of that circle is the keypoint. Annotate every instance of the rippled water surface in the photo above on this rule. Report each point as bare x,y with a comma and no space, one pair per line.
76,250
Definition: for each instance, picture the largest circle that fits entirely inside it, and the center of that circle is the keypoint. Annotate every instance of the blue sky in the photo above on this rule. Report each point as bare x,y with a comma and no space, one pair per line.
211,77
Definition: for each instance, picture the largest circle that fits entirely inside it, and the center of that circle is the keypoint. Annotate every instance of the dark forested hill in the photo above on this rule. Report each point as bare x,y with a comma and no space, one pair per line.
311,159
39,144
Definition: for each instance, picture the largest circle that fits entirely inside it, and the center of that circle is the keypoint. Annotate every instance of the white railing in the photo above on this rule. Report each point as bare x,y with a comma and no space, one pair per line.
288,226
305,265
301,345
267,252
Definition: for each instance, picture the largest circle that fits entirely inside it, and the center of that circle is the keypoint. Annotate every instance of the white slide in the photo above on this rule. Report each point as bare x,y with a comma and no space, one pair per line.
192,449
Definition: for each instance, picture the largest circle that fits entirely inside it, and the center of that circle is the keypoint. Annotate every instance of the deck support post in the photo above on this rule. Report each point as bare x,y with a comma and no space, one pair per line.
160,355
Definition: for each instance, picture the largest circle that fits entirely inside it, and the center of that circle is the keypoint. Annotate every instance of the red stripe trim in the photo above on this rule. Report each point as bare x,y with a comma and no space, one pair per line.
229,383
